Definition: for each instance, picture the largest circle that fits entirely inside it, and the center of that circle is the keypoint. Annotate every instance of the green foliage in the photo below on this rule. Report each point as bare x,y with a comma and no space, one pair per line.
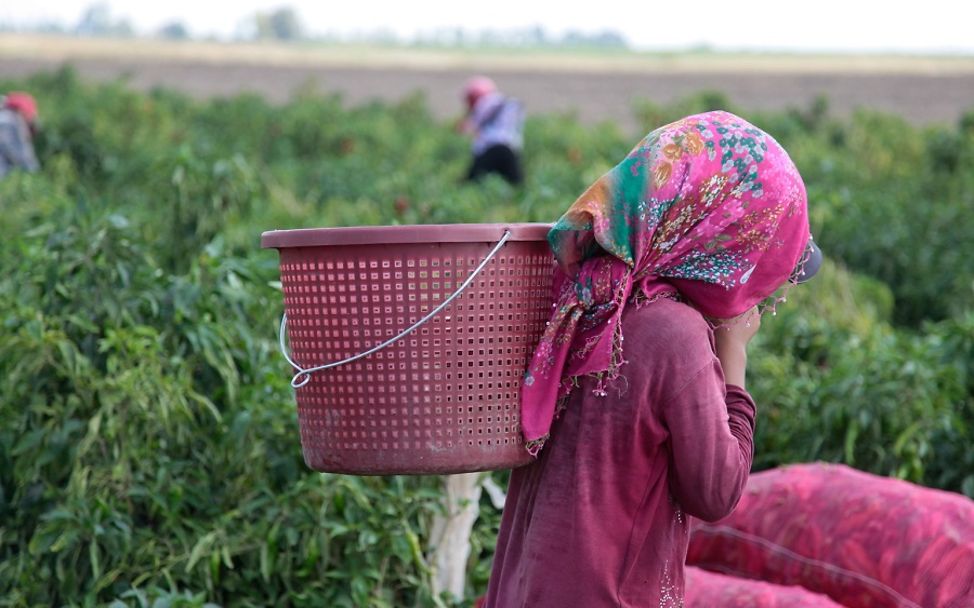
149,451
836,382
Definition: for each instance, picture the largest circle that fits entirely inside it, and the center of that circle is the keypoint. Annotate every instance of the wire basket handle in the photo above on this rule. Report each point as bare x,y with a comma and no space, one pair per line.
304,373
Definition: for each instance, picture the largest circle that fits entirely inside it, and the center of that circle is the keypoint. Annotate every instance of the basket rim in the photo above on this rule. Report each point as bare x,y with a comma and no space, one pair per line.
413,233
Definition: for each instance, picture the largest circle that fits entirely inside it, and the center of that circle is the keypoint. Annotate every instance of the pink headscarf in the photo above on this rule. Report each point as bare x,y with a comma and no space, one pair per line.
477,87
709,206
23,103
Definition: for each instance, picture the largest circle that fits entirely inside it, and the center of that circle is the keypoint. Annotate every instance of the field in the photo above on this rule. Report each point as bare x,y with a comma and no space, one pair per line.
595,86
149,453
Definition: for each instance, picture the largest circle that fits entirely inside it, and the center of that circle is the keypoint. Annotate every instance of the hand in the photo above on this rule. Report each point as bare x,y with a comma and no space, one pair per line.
731,337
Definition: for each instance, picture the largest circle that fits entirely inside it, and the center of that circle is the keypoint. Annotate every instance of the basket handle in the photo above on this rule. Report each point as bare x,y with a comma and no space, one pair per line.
303,375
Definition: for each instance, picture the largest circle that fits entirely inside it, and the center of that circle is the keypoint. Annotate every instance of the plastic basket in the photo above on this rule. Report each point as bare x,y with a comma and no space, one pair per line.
441,399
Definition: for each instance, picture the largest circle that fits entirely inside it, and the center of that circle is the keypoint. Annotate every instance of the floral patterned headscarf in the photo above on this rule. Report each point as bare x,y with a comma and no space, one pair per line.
709,206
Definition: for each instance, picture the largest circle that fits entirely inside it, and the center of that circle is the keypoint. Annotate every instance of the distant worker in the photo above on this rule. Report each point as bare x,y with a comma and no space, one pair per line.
496,123
18,125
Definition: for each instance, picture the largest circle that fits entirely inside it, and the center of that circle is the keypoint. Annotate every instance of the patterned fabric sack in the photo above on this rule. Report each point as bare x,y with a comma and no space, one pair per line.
710,590
865,541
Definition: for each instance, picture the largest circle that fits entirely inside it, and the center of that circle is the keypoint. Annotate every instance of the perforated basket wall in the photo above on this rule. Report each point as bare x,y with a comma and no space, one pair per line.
444,399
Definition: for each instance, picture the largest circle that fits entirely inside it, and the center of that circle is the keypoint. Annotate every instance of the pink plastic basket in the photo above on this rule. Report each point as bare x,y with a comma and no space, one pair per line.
444,397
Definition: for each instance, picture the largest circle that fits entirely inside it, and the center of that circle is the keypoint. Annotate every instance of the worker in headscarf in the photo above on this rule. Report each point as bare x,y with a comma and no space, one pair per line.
18,125
496,122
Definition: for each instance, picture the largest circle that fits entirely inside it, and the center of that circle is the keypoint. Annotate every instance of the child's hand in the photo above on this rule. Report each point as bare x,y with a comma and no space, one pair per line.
731,337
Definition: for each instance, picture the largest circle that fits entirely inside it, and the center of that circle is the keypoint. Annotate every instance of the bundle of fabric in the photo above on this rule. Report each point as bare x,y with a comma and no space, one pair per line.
710,590
863,540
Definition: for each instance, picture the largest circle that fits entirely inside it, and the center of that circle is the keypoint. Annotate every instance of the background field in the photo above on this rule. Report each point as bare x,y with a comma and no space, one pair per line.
596,85
148,442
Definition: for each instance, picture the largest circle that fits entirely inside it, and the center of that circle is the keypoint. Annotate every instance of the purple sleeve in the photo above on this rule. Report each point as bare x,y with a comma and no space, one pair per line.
711,428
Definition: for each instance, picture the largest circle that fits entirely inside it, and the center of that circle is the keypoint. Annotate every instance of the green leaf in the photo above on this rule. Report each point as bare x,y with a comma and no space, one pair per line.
202,545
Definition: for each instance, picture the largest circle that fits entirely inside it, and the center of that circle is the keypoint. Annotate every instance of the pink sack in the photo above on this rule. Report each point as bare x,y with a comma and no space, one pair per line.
863,540
709,590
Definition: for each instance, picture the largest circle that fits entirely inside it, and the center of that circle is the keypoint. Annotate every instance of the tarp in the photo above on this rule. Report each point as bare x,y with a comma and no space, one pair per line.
865,541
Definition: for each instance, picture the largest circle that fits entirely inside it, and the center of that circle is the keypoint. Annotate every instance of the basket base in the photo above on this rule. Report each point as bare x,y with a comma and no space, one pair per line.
414,463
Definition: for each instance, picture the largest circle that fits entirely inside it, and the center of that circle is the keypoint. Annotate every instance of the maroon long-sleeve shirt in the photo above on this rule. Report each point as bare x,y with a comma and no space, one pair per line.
600,519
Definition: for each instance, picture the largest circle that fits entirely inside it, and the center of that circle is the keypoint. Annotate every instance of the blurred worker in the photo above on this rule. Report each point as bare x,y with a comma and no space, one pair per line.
496,123
18,124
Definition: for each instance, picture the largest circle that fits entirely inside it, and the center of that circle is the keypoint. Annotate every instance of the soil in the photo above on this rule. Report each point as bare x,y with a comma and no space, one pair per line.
592,96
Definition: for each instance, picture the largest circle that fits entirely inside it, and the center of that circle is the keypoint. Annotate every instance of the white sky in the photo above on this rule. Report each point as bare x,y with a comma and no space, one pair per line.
856,25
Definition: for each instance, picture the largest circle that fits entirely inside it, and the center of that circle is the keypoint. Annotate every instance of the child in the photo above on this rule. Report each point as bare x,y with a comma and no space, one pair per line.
496,122
636,390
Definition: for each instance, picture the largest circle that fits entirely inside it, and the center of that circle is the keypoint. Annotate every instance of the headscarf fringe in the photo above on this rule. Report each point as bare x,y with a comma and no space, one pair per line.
534,447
